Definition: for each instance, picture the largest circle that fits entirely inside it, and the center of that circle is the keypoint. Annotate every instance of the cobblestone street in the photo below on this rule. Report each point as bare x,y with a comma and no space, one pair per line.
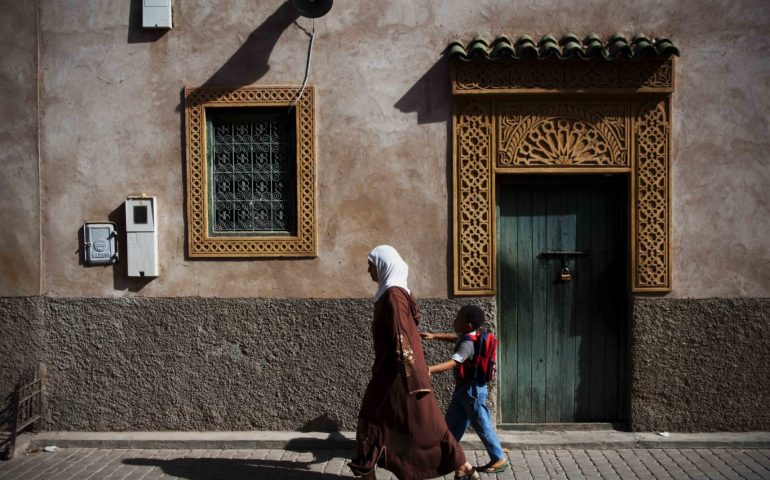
103,464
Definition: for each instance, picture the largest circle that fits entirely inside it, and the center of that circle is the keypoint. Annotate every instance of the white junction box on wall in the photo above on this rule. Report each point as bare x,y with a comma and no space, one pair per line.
142,236
156,14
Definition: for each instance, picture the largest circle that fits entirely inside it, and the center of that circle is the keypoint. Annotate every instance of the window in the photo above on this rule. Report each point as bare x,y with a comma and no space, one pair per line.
140,214
251,172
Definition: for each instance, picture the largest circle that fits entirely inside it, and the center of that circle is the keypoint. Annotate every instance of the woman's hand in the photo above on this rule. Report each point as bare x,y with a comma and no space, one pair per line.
427,335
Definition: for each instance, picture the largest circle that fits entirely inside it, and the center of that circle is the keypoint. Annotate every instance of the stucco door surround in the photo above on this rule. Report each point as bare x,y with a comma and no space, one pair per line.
555,116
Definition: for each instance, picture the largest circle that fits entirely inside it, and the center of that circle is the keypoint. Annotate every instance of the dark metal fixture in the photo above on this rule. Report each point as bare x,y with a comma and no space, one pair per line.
312,8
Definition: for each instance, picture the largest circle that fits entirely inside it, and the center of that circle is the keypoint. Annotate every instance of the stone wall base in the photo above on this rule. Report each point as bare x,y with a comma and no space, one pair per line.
204,363
700,365
303,364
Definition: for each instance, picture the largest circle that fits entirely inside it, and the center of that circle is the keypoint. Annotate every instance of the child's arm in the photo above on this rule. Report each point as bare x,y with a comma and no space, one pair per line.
463,352
447,337
442,367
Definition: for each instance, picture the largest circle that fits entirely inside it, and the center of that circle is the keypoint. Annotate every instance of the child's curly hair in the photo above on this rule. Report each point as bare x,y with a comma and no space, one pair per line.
473,315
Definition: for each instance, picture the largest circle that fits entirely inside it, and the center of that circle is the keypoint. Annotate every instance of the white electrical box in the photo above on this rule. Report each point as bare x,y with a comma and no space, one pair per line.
142,236
156,14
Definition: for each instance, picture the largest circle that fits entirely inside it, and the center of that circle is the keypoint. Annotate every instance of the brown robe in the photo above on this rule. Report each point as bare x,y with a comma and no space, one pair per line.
400,426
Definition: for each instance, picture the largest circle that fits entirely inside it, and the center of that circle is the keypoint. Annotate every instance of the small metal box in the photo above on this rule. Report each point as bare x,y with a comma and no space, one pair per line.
156,14
101,243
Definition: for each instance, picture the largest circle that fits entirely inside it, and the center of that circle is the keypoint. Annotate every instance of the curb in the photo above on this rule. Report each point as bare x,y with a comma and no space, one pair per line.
299,441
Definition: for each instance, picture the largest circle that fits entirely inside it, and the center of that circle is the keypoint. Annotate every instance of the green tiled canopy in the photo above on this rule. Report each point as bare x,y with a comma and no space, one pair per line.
568,47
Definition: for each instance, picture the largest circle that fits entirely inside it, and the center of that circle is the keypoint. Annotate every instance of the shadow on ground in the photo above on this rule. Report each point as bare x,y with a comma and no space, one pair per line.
253,468
238,469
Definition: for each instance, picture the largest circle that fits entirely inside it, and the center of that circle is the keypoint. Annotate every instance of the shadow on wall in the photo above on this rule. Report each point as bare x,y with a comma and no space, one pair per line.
450,224
7,415
136,33
250,62
120,278
430,96
322,423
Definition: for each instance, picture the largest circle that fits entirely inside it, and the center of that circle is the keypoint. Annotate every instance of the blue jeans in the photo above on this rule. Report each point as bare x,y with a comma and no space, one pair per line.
469,406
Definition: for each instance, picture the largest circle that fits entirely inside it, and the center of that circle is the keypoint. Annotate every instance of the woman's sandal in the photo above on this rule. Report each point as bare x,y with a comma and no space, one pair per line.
472,475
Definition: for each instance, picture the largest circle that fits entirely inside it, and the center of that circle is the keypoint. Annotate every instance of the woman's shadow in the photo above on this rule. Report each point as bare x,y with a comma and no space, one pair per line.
255,468
238,469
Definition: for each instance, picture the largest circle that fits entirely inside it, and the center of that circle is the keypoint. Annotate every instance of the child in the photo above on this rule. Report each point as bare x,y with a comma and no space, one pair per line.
469,400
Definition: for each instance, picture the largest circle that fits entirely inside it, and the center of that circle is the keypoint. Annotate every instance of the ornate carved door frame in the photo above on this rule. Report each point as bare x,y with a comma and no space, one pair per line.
568,117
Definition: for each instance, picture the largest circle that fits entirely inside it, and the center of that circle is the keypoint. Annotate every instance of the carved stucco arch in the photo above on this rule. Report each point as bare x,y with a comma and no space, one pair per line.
503,125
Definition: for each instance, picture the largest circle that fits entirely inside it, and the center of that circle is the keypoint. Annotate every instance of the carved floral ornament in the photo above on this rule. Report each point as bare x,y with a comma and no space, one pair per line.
561,107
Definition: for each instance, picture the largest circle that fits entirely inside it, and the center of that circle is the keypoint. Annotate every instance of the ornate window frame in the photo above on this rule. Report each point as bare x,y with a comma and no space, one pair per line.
200,243
497,104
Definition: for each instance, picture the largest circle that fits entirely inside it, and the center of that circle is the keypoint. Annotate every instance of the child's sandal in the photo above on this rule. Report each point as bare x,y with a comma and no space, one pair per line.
490,468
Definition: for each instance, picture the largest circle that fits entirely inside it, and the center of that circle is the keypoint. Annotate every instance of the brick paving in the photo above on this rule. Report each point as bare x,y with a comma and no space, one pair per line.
260,464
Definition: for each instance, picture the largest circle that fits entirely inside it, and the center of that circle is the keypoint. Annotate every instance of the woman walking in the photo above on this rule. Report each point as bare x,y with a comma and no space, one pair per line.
400,426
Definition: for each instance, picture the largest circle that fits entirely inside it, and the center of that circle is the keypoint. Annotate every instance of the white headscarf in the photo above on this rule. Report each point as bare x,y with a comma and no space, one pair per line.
391,269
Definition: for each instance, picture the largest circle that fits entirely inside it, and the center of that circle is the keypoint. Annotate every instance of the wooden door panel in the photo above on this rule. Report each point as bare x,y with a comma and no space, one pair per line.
562,343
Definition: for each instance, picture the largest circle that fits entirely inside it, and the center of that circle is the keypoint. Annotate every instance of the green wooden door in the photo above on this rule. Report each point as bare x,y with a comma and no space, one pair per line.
563,344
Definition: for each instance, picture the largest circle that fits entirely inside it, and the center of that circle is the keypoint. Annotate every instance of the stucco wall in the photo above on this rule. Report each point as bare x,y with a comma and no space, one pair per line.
241,364
204,364
700,365
22,341
112,126
20,234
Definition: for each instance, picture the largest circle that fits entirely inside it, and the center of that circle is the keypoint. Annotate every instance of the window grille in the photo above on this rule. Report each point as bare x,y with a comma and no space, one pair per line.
251,171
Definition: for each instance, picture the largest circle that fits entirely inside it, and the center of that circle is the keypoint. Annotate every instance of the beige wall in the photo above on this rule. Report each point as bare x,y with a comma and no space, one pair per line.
19,218
112,126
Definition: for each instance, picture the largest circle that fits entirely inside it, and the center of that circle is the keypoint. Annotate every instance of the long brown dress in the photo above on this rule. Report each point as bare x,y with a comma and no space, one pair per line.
400,426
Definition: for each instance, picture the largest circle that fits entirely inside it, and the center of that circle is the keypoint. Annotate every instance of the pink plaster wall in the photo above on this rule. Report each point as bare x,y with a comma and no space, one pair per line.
19,218
111,126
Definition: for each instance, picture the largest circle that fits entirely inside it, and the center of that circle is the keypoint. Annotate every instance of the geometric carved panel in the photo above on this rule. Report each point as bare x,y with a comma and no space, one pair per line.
201,242
650,254
584,134
473,198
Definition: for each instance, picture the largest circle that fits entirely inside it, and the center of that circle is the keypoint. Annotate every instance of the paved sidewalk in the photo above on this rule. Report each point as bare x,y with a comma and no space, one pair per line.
324,464
519,440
